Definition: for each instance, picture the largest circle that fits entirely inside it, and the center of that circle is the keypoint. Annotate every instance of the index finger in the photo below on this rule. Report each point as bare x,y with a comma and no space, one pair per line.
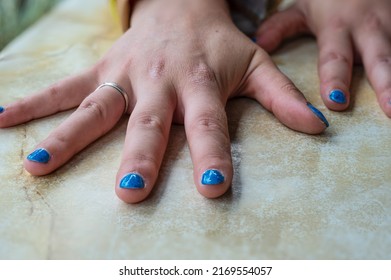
335,66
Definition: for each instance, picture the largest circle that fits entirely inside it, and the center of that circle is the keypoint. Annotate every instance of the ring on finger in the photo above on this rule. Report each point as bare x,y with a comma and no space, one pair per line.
119,89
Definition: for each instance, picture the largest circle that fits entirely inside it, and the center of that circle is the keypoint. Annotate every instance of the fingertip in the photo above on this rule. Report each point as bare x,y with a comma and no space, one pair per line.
213,183
268,38
38,163
2,110
304,118
317,122
336,99
130,196
300,115
289,106
133,186
269,41
6,117
385,104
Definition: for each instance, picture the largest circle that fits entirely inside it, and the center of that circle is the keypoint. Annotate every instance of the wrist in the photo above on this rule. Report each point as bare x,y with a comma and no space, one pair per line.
175,10
130,11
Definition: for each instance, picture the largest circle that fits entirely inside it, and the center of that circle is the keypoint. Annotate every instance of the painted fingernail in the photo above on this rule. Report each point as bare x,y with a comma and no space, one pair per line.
132,181
318,114
39,155
212,177
338,96
254,39
1,109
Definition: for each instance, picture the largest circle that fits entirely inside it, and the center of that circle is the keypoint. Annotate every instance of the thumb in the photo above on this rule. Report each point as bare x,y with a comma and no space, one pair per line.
276,93
280,26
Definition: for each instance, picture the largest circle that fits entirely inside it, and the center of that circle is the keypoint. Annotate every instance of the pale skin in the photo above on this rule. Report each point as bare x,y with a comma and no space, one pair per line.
346,31
181,62
175,66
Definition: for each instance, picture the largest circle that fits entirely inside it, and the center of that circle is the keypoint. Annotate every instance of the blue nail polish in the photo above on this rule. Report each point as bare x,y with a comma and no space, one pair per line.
212,177
254,39
39,155
1,109
132,181
338,96
318,114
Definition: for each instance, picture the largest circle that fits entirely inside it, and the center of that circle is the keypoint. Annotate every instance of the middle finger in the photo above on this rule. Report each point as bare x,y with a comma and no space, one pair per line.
145,143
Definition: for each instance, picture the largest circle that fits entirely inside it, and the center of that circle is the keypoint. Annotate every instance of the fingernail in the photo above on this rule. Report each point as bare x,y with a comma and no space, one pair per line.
338,96
318,114
1,109
212,177
132,181
39,155
254,39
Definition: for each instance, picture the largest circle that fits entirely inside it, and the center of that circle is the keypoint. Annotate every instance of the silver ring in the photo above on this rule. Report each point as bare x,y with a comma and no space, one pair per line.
120,90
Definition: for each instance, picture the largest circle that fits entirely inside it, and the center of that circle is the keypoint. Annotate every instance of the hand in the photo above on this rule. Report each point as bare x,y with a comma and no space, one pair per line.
344,29
179,64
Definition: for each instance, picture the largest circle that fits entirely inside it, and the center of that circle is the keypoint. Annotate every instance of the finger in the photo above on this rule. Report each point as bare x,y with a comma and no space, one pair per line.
280,26
375,49
145,145
278,94
97,114
335,67
60,96
207,134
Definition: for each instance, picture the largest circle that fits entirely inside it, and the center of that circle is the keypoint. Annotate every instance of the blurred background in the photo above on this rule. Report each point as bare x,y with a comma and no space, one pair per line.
17,15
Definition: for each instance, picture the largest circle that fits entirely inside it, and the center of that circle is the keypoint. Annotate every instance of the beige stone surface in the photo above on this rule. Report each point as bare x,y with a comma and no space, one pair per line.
293,196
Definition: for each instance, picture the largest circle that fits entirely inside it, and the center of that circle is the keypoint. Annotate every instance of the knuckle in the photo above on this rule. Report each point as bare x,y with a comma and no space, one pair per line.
156,68
383,59
380,60
149,163
337,23
372,21
290,88
94,107
201,75
54,95
333,57
54,91
210,121
150,121
60,138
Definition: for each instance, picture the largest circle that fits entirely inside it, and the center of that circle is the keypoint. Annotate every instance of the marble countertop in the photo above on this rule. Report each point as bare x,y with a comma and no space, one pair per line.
293,196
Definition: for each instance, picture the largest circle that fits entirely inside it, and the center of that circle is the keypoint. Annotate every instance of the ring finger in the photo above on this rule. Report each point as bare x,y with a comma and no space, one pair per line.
96,115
